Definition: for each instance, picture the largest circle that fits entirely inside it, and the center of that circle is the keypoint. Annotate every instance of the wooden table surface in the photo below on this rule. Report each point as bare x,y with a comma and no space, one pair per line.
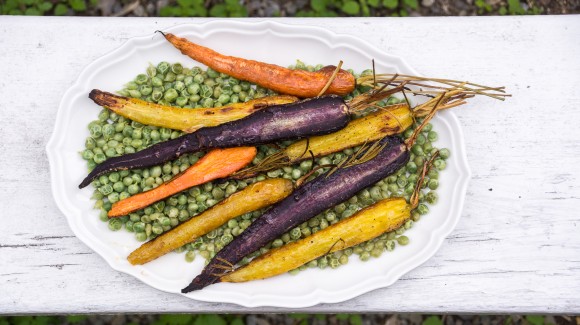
515,250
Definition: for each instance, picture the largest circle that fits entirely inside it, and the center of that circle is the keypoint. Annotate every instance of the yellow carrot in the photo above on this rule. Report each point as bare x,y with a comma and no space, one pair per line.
383,216
251,198
377,125
218,163
184,119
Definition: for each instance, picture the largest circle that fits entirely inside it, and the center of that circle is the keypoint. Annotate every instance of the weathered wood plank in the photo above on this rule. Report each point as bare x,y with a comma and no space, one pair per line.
516,249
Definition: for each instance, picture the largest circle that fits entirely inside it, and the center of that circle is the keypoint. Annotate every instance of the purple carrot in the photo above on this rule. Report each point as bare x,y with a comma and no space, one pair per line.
310,199
316,116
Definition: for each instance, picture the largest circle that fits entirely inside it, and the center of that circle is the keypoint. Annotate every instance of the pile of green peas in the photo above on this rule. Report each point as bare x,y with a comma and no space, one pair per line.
112,135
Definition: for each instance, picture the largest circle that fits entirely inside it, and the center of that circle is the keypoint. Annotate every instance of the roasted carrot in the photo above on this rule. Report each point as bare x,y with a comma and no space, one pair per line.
256,196
384,122
184,119
385,215
216,164
283,80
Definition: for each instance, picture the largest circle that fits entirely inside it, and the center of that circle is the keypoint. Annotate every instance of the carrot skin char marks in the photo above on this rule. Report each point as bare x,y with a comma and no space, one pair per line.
187,120
316,116
299,83
218,163
305,202
253,197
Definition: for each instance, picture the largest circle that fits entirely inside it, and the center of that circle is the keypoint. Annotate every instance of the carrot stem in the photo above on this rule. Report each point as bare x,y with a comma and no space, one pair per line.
216,164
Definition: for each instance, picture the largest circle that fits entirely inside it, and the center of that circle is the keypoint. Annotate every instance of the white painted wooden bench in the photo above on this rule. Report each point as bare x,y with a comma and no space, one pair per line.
515,250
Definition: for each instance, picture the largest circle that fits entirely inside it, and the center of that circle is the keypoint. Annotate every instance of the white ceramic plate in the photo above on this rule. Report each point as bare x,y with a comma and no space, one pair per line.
270,42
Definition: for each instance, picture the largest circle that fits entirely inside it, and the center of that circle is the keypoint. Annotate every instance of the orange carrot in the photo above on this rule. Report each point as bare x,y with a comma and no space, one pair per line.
283,80
216,164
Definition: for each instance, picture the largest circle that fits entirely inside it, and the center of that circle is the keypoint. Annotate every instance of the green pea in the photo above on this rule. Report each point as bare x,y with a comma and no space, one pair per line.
192,207
390,245
87,154
211,202
172,201
439,164
135,93
165,133
334,263
411,167
118,187
133,189
403,240
417,150
113,197
422,209
173,222
223,98
95,131
198,79
170,77
177,68
106,189
163,67
444,153
432,136
131,85
141,79
140,236
104,115
99,158
208,102
170,95
114,177
296,173
322,262
420,140
365,256
245,224
377,252
212,73
90,143
157,229
217,193
330,216
189,256
340,208
173,213
306,165
433,184
402,181
431,197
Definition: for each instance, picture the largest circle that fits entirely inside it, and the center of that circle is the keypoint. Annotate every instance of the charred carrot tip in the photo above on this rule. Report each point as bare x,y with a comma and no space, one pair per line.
103,98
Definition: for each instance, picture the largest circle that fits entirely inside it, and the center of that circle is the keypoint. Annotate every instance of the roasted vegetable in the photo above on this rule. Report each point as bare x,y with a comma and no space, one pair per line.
251,198
385,215
184,119
366,167
316,116
283,80
384,122
327,190
218,163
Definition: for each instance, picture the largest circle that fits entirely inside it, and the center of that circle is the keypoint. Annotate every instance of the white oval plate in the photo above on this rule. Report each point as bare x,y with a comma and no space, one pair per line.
264,41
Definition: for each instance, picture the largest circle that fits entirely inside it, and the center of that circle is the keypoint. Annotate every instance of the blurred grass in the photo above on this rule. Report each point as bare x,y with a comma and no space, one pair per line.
240,8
